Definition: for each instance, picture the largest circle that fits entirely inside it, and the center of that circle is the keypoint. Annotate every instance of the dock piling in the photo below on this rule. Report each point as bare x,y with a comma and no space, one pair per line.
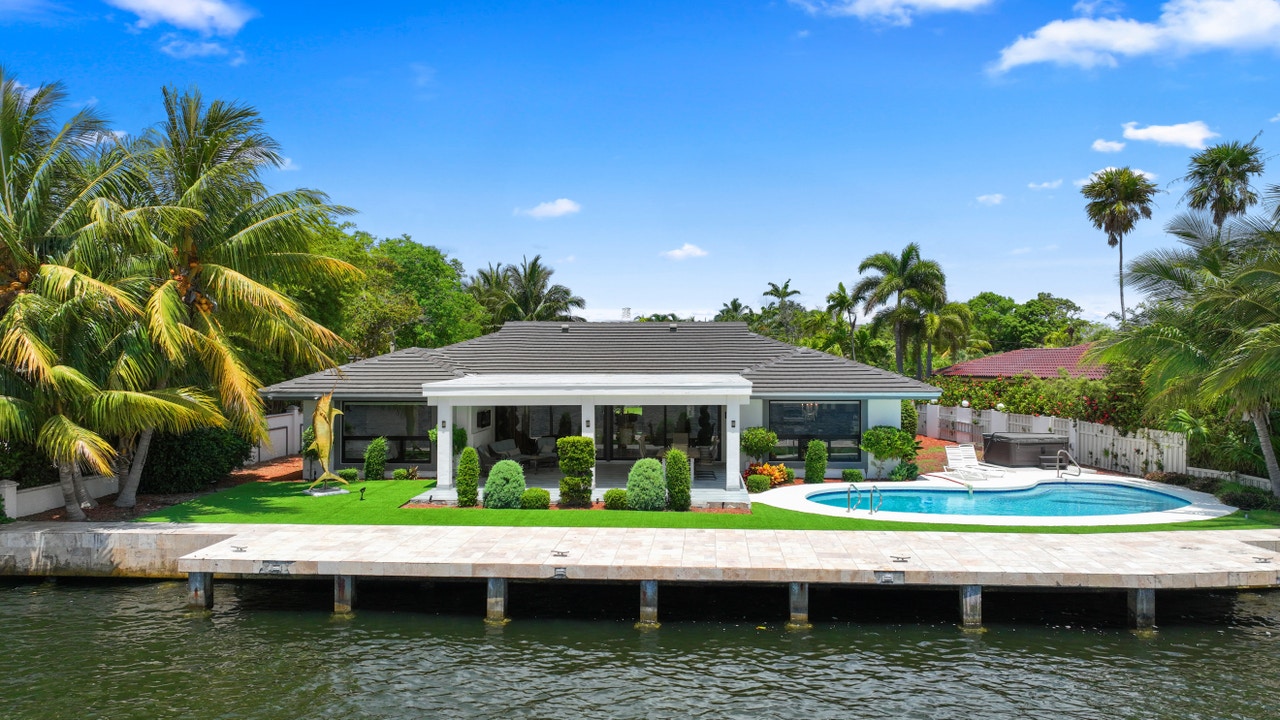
971,607
1142,608
200,590
798,593
344,594
496,606
648,605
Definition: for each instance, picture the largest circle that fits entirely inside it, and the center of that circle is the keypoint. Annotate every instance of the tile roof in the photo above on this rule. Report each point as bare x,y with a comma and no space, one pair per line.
773,367
1041,362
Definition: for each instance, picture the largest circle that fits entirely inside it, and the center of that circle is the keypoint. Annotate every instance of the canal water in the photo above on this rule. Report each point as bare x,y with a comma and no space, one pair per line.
80,649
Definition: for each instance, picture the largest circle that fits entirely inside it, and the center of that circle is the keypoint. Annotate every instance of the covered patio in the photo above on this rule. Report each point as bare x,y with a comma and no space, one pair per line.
622,392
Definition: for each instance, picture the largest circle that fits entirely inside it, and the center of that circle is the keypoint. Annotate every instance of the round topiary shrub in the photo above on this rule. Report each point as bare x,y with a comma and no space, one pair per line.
535,499
575,491
851,475
375,459
468,478
758,483
679,483
815,462
646,488
758,442
400,474
577,455
505,485
193,460
351,475
615,499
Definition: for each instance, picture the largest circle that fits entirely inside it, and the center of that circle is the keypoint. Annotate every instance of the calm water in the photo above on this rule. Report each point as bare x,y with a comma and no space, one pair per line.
270,650
1044,500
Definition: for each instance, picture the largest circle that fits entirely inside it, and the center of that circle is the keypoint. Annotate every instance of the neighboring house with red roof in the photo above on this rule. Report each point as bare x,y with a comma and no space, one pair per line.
1040,362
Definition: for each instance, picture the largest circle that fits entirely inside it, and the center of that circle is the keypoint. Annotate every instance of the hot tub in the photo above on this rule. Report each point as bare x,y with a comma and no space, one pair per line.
1020,449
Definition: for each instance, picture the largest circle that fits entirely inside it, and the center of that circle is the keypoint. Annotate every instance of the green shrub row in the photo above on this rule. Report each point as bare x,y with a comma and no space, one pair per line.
1229,492
351,475
23,464
192,460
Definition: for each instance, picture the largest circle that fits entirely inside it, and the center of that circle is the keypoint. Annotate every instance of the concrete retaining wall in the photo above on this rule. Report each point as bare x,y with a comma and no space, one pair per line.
148,550
29,501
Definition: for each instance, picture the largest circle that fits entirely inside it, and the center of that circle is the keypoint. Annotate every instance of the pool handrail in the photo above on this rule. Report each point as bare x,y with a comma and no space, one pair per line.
850,506
1059,467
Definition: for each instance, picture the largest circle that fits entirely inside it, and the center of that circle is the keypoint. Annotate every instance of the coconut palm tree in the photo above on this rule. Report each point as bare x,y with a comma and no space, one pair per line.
734,311
844,304
946,326
898,274
1219,179
1117,199
532,296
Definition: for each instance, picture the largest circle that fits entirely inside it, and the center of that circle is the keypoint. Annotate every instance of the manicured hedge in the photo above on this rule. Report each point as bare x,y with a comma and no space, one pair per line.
468,478
910,418
646,488
575,491
505,485
615,499
25,465
679,484
400,474
193,460
815,462
758,483
375,459
851,475
577,455
535,499
351,475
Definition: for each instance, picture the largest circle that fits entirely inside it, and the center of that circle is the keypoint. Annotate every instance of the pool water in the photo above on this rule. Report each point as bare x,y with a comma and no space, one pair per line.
1043,500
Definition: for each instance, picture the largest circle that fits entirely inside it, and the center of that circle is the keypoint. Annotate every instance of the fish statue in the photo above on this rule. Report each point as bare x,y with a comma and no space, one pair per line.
322,421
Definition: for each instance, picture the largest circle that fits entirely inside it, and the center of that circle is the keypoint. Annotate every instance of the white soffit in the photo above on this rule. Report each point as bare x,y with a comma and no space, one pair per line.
622,385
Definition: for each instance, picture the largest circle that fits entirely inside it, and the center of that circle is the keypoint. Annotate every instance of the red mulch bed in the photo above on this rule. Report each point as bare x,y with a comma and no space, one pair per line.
281,469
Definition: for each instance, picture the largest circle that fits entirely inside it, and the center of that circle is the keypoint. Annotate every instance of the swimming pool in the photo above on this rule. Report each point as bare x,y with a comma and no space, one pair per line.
1043,500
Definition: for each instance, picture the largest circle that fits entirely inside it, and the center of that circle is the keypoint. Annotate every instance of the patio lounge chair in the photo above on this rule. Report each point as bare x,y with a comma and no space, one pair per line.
962,461
546,453
508,450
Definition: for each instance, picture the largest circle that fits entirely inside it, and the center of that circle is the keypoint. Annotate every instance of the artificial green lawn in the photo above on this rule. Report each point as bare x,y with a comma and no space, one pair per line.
283,502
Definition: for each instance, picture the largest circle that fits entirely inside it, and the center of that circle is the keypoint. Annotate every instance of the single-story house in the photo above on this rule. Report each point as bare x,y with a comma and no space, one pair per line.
1045,363
637,388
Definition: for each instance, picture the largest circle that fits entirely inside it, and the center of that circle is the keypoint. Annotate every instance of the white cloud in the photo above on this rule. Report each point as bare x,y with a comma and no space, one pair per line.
992,199
894,12
552,209
566,259
176,47
288,165
1184,26
1190,135
1107,146
209,17
802,34
1085,181
684,252
423,75
1046,185
1276,118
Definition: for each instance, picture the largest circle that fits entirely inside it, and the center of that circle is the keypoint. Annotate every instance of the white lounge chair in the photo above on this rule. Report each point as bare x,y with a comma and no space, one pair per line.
962,461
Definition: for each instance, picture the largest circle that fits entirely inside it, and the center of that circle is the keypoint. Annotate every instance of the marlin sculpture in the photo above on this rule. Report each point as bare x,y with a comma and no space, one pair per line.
322,421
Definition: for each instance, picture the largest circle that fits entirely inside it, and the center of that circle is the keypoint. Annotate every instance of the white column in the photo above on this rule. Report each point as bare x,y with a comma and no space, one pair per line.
733,446
1042,424
589,430
444,445
999,422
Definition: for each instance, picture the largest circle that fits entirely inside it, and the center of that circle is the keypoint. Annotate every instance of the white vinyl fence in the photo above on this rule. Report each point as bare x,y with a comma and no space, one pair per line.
284,432
1100,446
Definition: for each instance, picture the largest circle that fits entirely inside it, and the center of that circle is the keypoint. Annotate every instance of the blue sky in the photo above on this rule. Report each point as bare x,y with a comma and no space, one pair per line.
669,156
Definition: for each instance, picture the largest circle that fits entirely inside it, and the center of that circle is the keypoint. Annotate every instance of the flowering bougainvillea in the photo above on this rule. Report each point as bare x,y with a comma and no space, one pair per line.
1118,400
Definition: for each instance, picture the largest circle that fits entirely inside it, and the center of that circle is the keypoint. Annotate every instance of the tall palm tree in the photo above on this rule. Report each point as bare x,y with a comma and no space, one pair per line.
898,274
1219,179
734,311
946,326
844,304
1117,199
217,266
489,287
532,296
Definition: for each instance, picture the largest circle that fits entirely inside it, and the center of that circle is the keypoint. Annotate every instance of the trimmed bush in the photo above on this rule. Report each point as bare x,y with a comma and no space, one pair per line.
351,475
851,475
375,459
505,485
615,499
905,471
575,491
23,464
886,443
535,499
468,478
400,474
910,417
1247,498
577,455
777,474
193,460
815,462
758,483
790,473
758,442
679,483
646,488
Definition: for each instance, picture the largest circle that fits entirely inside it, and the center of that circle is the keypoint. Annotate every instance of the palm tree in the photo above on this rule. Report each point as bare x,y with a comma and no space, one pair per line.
780,318
898,274
734,311
946,325
532,296
216,267
841,303
1219,178
1117,199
